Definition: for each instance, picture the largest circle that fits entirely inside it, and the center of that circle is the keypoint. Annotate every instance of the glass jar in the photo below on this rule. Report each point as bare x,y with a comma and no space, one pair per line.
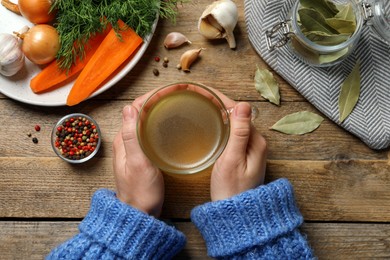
330,46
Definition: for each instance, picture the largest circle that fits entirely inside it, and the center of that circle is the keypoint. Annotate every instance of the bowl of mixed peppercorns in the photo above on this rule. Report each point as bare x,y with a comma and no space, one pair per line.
76,138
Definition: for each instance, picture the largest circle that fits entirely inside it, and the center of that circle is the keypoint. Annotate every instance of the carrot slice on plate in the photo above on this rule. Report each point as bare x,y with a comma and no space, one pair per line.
110,55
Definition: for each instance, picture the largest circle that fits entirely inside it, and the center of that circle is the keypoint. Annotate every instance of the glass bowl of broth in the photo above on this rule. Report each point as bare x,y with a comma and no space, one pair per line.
183,127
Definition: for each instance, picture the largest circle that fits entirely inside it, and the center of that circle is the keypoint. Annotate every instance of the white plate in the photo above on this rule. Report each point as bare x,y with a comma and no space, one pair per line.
18,86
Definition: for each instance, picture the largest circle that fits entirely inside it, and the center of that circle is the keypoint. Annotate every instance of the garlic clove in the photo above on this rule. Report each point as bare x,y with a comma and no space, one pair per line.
219,20
188,57
11,55
209,31
174,40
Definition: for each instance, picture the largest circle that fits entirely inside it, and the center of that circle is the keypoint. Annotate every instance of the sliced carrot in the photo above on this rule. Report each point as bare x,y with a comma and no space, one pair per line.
112,52
52,76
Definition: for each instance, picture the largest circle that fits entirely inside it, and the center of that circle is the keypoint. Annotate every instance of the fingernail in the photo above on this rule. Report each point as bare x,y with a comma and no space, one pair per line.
242,110
129,113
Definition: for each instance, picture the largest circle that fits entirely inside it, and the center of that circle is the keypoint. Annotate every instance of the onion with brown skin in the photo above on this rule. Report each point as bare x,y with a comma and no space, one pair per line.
40,43
36,11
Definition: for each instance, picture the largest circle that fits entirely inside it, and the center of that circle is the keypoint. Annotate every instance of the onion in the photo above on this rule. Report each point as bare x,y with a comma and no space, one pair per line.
41,43
36,11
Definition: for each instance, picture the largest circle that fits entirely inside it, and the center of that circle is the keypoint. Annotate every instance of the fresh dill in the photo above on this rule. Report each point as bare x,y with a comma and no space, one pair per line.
78,20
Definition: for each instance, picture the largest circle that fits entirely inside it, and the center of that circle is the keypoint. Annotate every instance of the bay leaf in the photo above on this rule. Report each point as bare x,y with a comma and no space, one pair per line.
298,123
350,92
326,8
346,13
328,58
323,38
306,53
314,21
267,86
341,26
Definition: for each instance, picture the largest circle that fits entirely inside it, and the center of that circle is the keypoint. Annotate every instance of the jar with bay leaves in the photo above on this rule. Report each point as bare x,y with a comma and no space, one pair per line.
323,33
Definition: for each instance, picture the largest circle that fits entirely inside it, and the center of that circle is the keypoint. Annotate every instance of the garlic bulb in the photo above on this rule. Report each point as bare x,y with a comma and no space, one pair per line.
219,20
11,55
174,40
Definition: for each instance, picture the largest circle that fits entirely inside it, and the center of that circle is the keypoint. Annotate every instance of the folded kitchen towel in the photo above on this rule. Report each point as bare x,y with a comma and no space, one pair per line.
370,119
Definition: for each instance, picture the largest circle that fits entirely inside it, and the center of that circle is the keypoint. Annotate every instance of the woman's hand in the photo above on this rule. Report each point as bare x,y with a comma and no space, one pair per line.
242,165
139,183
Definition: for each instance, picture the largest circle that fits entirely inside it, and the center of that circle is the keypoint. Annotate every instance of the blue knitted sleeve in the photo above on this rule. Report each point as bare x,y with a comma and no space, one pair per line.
257,224
114,230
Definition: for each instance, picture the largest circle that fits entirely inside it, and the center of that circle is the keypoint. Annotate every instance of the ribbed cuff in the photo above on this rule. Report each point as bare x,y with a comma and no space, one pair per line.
249,219
128,232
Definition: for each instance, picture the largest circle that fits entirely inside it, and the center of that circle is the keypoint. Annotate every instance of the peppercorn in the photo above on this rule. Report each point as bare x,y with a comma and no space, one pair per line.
165,65
37,128
156,72
29,134
35,140
166,60
157,58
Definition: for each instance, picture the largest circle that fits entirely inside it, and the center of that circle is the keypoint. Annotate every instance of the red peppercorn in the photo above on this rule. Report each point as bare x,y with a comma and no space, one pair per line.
157,58
37,128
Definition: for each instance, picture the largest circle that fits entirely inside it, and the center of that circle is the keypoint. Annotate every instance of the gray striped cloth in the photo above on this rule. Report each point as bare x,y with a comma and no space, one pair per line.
370,119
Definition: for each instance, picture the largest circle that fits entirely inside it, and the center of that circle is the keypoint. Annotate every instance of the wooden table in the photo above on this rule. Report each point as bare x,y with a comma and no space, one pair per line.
342,187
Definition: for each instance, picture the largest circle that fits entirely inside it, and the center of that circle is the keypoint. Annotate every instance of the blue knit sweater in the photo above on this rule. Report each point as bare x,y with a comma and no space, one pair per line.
258,224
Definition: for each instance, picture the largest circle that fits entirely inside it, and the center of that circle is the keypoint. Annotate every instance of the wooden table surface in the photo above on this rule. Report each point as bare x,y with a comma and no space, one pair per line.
342,187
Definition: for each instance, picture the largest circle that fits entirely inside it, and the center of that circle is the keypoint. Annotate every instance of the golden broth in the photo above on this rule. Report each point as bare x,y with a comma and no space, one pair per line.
182,130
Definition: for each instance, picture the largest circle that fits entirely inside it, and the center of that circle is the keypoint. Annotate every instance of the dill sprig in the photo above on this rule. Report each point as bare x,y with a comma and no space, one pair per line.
78,20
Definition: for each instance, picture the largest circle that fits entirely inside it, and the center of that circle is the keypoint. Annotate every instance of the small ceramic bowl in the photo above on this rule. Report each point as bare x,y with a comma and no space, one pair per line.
76,138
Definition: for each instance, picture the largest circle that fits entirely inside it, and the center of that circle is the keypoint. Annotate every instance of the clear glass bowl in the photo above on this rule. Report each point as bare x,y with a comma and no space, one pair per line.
71,138
183,127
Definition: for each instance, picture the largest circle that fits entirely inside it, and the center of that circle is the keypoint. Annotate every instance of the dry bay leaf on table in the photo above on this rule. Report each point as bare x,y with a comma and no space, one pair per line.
350,92
267,86
298,123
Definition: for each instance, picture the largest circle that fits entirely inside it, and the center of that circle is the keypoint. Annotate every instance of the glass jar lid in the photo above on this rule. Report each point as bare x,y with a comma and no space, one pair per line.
378,12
